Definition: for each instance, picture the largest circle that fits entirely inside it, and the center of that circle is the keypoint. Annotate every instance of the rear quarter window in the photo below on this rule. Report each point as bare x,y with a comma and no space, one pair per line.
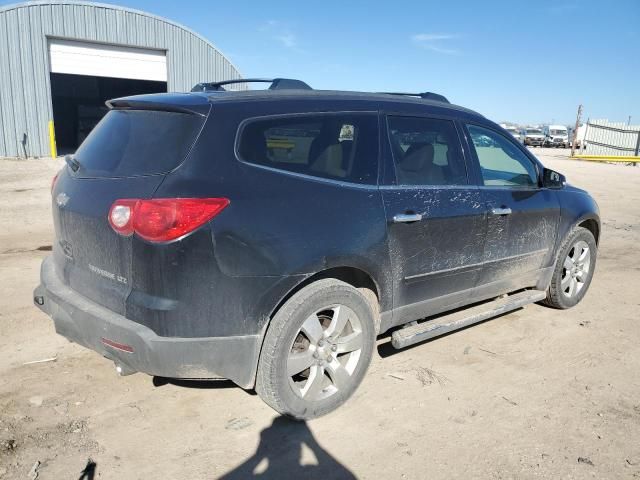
138,142
334,146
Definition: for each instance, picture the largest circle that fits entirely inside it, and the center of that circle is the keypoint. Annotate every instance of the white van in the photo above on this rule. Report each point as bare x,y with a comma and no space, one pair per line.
514,132
556,136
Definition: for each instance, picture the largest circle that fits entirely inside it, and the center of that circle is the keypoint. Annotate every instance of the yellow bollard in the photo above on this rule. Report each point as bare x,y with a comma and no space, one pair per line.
608,158
52,140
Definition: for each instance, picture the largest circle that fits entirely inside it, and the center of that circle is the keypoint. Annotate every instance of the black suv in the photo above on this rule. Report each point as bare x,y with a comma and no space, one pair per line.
269,236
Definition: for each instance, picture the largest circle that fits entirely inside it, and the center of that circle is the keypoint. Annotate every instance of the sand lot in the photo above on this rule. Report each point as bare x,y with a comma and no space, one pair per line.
537,393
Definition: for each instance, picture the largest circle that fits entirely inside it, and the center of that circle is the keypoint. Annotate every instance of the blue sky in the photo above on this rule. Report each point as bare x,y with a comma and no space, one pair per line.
521,61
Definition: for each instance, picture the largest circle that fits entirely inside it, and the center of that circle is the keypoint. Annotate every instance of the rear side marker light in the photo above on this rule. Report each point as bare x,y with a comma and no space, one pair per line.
118,346
163,219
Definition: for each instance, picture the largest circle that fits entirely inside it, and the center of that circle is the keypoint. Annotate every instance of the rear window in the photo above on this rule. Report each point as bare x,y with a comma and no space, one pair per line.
137,142
335,146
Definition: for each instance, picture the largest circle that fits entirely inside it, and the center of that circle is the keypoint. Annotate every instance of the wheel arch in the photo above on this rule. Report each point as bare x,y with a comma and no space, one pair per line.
593,226
354,276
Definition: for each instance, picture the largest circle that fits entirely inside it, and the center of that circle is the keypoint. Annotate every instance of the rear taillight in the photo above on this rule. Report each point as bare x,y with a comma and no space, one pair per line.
53,181
121,216
163,219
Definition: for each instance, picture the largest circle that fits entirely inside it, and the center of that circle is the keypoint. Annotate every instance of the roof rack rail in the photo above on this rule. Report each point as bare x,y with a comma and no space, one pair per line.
425,95
276,84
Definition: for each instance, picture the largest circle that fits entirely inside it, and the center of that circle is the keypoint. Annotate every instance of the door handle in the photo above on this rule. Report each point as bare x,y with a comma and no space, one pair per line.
407,217
501,211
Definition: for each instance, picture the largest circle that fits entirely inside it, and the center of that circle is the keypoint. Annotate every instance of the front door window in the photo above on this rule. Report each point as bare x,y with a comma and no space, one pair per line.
501,161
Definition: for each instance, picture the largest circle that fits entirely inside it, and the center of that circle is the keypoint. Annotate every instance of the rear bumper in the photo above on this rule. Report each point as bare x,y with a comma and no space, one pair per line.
136,348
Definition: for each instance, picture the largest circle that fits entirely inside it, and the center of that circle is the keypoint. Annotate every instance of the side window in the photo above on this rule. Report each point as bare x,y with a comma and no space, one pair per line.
339,147
426,151
501,161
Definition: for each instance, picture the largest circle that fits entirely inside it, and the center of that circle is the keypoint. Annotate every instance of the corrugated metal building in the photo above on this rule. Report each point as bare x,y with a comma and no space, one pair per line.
60,60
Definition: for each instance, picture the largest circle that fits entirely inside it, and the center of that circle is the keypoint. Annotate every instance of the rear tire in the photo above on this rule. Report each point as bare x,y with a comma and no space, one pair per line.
316,350
574,269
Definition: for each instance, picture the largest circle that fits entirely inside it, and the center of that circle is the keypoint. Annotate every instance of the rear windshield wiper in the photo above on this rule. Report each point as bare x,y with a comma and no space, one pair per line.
72,162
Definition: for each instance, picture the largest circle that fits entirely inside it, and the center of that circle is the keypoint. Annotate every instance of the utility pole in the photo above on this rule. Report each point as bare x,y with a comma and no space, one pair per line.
575,131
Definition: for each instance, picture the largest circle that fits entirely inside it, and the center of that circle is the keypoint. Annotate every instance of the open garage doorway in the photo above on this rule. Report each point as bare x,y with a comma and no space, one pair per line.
85,74
78,103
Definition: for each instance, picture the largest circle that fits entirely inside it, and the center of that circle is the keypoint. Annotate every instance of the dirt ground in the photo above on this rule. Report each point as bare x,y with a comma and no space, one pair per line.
536,393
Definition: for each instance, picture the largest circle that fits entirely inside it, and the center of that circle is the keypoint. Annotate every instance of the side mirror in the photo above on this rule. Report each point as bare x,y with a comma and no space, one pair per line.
553,179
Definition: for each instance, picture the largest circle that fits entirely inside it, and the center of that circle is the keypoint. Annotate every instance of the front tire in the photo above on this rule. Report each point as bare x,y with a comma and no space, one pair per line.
316,350
574,269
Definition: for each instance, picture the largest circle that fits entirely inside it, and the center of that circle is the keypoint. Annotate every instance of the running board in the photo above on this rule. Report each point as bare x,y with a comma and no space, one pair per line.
463,318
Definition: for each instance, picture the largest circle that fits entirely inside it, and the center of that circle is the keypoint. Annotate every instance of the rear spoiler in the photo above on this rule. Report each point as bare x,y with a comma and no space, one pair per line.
163,102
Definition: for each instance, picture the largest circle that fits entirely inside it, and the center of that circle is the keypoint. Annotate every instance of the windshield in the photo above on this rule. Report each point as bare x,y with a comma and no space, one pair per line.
558,132
534,132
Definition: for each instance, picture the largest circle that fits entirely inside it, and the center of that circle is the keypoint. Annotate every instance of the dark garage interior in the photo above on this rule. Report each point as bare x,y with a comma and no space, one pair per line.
78,103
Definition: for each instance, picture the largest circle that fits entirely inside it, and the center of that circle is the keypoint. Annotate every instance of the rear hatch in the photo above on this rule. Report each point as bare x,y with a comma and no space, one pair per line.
127,155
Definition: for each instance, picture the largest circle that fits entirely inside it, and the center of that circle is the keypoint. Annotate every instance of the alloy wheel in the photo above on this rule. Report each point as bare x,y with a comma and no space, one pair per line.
575,270
325,353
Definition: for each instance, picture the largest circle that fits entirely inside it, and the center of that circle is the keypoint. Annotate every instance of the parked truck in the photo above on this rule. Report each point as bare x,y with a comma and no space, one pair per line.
533,137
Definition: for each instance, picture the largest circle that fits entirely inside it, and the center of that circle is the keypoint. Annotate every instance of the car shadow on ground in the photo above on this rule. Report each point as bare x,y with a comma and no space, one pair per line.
279,455
200,384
